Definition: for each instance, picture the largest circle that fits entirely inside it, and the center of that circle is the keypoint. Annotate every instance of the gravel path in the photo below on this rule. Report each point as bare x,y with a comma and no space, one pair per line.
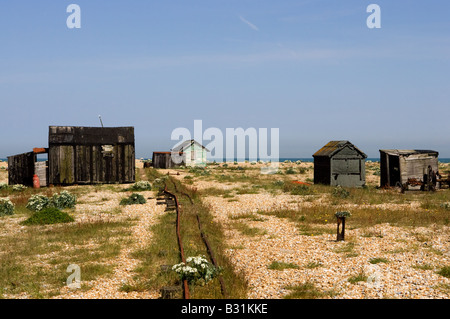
397,278
146,215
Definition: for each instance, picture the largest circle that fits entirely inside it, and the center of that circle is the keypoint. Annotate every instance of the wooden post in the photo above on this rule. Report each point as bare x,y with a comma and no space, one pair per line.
340,234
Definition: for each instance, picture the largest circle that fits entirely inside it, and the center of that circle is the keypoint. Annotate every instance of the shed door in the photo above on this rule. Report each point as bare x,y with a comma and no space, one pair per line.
394,170
346,172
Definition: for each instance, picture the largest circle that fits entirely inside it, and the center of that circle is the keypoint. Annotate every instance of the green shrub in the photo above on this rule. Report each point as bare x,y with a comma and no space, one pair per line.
300,190
133,200
141,186
199,171
6,207
340,192
38,202
290,170
160,183
277,265
19,188
445,271
344,214
3,186
64,200
48,216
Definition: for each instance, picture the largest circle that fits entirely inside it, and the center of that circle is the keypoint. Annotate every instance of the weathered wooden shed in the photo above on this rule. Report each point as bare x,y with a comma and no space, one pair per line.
340,163
163,160
397,166
90,155
80,155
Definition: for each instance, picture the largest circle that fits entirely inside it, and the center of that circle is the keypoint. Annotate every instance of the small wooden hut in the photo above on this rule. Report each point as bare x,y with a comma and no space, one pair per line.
80,155
163,160
192,153
397,166
22,168
340,163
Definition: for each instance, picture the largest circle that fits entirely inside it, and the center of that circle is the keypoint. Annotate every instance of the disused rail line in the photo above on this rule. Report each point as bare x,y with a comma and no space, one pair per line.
186,294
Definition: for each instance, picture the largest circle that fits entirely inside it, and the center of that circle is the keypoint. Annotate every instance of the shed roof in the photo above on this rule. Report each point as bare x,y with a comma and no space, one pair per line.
83,135
409,152
333,147
186,144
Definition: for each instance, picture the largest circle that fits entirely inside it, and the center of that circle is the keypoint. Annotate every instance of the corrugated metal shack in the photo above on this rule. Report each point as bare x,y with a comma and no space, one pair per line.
81,155
397,166
340,163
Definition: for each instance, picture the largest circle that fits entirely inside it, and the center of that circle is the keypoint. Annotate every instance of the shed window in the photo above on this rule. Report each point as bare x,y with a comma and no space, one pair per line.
107,150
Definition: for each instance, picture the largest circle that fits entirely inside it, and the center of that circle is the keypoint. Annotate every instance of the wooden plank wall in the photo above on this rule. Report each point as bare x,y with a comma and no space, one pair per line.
90,155
162,160
21,169
416,166
88,164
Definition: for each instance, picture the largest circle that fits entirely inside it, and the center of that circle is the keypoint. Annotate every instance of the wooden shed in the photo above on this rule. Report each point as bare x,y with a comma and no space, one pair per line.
397,166
163,160
80,155
90,155
22,167
340,163
192,153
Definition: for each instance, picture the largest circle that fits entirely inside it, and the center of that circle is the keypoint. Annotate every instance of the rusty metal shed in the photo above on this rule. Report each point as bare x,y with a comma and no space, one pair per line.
340,163
81,155
397,166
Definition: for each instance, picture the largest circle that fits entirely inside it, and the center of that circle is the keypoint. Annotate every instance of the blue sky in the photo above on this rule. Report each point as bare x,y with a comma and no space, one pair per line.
313,69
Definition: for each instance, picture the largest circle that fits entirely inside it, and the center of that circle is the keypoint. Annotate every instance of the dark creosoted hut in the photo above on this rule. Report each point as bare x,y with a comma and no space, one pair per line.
81,155
163,160
340,163
397,166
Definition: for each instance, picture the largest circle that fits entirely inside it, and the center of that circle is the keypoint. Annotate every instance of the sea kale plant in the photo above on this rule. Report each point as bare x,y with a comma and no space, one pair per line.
342,214
6,207
133,200
38,202
19,188
141,186
197,270
62,200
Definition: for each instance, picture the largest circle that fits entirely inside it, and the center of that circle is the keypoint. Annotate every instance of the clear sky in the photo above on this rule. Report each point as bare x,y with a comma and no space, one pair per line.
313,69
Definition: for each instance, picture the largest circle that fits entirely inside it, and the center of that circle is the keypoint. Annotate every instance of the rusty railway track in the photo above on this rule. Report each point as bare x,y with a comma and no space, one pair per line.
186,293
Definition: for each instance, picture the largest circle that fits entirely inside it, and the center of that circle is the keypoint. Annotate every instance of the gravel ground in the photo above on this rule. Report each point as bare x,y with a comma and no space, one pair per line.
282,242
146,215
